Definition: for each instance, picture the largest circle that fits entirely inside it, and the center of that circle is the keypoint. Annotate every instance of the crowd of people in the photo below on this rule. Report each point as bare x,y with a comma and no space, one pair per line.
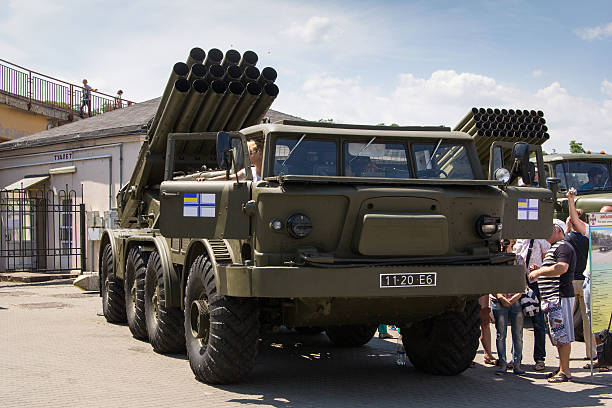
557,273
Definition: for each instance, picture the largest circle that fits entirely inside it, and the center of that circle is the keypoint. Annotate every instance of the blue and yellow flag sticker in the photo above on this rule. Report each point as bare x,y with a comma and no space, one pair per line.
198,205
527,209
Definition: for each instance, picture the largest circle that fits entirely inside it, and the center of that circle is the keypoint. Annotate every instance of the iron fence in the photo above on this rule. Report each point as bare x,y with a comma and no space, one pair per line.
54,93
42,230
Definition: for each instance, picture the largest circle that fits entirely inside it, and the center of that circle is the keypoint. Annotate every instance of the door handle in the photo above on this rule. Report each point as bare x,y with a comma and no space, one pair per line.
167,194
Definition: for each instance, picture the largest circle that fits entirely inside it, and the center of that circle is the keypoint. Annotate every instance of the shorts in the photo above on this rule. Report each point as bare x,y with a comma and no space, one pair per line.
560,320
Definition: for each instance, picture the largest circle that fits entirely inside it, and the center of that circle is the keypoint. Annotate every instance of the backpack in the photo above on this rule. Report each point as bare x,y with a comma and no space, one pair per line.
604,350
580,243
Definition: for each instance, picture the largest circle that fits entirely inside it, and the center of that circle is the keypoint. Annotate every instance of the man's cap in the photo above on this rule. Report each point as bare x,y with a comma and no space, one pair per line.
559,223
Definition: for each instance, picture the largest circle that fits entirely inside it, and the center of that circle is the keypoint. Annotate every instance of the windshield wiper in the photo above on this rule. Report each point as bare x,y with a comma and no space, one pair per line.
433,154
362,149
294,147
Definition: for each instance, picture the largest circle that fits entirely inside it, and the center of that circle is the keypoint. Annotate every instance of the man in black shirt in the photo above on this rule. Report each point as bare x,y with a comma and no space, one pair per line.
557,295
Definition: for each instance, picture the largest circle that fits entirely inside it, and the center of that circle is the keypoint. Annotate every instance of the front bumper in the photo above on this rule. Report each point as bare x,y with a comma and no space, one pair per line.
359,282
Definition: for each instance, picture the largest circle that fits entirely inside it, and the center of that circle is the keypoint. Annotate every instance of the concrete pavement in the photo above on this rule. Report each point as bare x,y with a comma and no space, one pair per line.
57,350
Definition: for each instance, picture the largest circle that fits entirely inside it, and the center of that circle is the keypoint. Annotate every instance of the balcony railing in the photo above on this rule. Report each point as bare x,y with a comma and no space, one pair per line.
53,93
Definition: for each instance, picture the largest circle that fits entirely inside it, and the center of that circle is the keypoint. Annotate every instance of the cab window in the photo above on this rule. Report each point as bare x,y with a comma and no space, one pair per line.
442,160
305,156
375,158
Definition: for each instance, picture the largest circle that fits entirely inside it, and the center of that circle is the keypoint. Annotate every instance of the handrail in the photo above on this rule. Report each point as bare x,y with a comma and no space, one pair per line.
54,92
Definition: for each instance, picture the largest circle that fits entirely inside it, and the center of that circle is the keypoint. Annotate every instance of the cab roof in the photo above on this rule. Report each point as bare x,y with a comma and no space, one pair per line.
322,128
576,156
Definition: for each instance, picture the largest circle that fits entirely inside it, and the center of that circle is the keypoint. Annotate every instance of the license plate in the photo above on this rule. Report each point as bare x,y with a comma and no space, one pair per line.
407,280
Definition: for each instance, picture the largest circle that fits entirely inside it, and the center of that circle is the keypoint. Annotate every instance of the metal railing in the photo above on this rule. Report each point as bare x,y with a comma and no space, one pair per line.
54,93
42,231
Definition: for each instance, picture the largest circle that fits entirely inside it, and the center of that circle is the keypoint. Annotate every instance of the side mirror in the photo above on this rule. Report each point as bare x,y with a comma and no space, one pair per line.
238,155
520,163
552,183
223,150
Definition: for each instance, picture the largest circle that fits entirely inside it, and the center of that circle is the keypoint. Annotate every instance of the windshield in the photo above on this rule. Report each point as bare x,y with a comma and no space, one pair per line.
373,157
584,176
304,156
442,160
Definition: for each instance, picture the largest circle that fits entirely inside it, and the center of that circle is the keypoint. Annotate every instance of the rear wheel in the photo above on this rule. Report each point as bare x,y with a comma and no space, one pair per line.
350,336
135,272
164,323
445,344
113,302
221,332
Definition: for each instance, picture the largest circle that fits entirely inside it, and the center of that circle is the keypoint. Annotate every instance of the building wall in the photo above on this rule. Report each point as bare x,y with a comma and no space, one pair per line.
16,123
101,167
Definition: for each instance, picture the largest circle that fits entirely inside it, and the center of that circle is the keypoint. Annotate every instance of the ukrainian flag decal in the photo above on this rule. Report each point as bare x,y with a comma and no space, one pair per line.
198,205
527,209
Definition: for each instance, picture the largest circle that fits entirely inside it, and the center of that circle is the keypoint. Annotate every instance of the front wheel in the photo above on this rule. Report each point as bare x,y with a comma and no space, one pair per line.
221,332
444,344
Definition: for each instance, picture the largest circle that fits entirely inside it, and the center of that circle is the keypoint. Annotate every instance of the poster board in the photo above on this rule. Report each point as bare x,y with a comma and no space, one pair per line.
600,238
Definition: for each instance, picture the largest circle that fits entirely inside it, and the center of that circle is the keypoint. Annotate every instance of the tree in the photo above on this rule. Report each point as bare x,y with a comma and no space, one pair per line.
576,147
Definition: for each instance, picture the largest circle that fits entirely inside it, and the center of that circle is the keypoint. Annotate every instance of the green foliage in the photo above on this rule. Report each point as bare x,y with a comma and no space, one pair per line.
326,120
61,105
576,147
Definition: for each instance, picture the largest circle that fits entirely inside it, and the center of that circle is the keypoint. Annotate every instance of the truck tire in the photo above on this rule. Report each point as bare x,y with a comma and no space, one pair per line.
113,301
444,344
350,336
135,272
164,323
221,332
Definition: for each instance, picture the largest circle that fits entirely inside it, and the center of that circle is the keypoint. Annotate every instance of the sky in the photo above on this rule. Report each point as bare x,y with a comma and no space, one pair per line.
404,62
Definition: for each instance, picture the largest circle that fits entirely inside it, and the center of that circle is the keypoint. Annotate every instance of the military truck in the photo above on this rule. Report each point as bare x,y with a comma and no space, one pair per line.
345,227
588,173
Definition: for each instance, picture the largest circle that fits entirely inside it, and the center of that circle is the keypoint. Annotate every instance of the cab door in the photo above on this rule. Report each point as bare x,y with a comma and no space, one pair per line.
204,209
528,212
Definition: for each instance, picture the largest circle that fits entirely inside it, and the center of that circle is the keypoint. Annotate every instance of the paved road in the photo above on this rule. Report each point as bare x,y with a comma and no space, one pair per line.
56,350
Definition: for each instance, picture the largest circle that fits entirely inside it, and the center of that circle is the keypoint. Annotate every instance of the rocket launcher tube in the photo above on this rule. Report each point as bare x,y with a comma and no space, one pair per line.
270,92
215,56
244,107
192,105
209,106
226,107
196,56
170,114
249,59
179,70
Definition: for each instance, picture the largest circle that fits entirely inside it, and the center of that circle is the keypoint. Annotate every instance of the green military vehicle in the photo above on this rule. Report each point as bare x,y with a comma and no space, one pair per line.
345,227
588,173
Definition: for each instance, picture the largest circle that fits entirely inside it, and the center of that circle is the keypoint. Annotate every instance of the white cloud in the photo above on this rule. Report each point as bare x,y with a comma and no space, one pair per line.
537,73
606,87
315,30
445,97
594,33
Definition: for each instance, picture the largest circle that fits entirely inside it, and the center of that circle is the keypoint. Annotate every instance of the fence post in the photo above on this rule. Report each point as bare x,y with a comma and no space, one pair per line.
29,89
82,228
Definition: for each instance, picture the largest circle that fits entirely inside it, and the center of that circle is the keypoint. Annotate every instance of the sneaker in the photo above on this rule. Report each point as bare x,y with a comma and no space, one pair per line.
384,336
500,371
518,371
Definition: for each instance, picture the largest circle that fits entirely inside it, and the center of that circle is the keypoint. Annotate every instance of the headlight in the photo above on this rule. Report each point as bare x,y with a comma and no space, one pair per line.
276,224
487,226
299,225
502,175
